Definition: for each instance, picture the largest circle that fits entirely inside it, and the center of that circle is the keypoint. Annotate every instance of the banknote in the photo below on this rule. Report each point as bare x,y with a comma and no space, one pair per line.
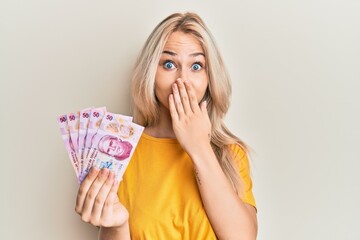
94,137
96,116
117,119
114,143
84,122
73,126
62,121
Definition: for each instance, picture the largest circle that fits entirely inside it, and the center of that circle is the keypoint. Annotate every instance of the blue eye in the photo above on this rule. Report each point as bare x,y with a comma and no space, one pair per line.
196,66
169,65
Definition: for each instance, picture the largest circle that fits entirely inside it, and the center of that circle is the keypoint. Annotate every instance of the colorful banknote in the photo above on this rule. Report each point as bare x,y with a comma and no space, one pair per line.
73,126
64,130
94,137
84,122
114,143
96,116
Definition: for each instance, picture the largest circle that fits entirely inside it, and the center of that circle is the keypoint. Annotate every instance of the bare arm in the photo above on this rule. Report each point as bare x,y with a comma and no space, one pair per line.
230,217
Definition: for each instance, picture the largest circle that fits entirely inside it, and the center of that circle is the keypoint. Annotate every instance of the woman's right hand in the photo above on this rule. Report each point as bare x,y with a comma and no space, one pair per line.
97,202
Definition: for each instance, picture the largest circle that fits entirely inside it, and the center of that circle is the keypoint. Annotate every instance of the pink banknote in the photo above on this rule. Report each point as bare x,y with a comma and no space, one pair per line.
93,136
73,126
62,121
96,116
84,122
114,143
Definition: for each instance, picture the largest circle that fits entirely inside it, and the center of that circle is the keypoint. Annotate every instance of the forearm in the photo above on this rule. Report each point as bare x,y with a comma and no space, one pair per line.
122,233
230,217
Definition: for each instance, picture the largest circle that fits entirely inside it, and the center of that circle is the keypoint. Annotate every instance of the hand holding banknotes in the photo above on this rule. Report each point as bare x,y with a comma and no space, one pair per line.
100,145
97,201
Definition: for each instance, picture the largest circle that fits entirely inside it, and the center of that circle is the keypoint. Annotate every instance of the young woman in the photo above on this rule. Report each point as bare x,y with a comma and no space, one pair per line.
189,175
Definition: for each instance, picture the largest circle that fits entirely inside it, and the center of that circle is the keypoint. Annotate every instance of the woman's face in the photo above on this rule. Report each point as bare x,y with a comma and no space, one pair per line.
183,57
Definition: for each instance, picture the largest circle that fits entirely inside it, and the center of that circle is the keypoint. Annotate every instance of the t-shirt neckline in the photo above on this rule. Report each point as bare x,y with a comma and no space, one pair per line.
162,140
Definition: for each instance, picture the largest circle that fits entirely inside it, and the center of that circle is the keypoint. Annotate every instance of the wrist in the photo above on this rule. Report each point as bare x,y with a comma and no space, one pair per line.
110,233
201,153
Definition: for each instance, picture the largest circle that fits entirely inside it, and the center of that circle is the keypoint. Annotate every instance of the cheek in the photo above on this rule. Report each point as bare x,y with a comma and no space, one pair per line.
163,84
200,88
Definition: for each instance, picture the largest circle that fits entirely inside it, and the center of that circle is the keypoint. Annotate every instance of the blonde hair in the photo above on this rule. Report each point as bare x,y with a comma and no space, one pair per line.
145,105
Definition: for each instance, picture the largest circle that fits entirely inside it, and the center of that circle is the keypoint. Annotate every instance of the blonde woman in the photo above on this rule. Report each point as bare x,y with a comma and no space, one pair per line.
189,175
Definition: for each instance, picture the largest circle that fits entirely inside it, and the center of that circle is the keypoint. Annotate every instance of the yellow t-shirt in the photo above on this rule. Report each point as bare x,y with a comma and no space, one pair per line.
160,192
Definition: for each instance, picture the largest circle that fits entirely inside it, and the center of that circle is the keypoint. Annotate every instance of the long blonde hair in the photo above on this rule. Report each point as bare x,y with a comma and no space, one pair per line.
145,105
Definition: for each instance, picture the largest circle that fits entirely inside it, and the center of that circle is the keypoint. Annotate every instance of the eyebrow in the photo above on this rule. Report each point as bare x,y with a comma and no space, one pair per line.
192,55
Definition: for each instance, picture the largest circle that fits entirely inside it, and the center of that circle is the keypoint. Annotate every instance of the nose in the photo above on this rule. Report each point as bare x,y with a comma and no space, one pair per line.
183,73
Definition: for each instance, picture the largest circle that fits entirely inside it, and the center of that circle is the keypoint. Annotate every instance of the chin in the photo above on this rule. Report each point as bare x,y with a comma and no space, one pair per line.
163,106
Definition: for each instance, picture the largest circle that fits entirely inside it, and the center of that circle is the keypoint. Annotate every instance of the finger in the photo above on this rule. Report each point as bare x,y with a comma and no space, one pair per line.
92,194
192,96
101,198
203,106
177,100
173,112
84,188
184,96
110,201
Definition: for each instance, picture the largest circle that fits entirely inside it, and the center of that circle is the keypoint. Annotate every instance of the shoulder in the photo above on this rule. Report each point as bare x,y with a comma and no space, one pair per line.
241,161
237,150
239,156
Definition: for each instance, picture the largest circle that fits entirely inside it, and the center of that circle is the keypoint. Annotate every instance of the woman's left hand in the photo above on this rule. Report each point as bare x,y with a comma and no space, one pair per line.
190,121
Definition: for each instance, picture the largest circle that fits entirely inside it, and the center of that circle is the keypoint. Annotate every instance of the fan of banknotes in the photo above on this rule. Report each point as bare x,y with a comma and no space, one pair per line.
95,137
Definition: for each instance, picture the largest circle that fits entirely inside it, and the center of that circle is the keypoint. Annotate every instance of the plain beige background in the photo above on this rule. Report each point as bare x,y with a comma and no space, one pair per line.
295,67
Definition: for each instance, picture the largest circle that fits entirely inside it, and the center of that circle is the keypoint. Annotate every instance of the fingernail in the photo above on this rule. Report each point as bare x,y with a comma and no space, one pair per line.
94,170
104,171
111,175
115,182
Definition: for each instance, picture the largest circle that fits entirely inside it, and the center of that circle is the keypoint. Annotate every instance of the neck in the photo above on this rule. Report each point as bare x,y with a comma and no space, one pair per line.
163,128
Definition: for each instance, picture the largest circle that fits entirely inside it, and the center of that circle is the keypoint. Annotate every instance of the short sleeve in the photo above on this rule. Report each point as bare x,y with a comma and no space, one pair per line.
242,164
